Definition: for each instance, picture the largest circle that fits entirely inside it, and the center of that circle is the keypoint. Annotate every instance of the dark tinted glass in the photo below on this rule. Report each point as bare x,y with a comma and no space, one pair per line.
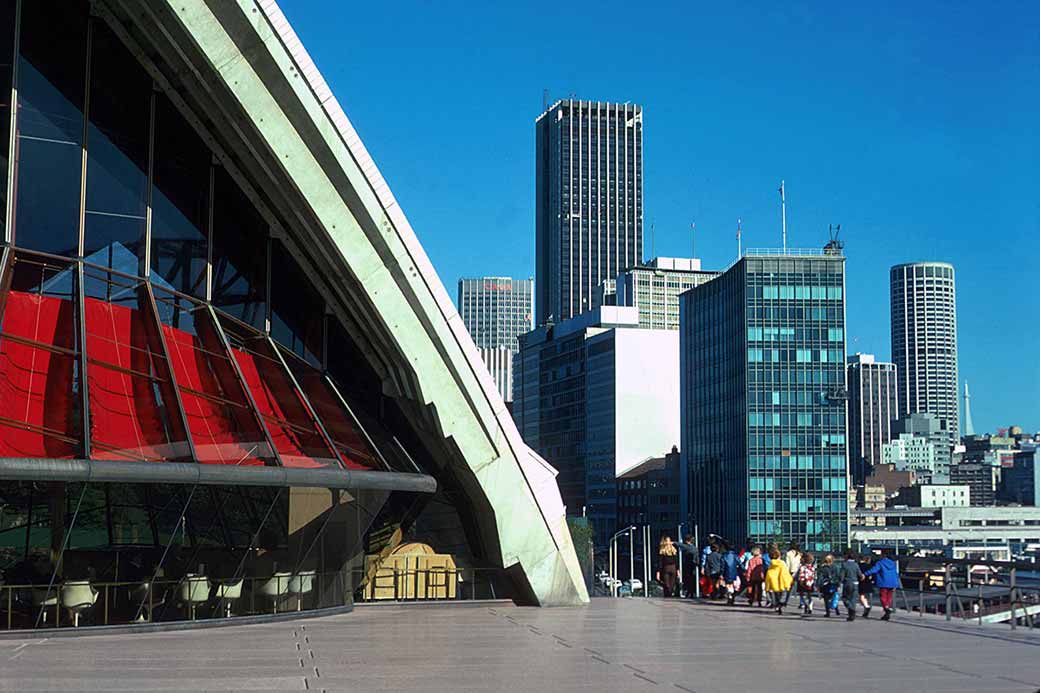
7,30
180,199
117,150
239,254
297,310
51,75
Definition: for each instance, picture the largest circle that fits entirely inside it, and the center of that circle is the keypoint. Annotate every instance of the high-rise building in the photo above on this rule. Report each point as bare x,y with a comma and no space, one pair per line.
589,199
654,288
596,395
495,311
932,429
763,399
872,407
911,453
924,340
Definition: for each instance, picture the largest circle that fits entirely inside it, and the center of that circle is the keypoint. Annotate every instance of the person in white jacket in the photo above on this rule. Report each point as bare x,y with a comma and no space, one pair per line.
793,559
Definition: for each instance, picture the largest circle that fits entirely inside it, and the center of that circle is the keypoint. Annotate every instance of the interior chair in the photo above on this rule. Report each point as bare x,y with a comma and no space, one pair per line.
275,588
43,601
228,592
194,590
301,584
78,596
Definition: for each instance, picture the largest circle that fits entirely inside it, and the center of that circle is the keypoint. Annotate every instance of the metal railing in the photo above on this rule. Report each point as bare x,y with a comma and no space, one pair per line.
427,584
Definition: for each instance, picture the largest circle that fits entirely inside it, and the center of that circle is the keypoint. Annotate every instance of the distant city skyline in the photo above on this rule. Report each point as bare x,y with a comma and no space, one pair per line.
921,145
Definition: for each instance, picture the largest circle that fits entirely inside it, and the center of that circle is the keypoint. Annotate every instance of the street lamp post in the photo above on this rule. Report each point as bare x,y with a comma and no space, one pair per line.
616,558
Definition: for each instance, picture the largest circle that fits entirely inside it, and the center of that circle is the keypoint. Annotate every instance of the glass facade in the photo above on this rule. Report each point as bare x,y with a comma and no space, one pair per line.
764,401
148,317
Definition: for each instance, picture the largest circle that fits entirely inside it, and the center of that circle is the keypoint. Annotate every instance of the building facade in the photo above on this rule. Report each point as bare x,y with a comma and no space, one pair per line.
934,496
932,429
924,341
495,311
981,478
589,201
1020,483
873,405
763,391
202,407
648,494
596,395
911,453
654,288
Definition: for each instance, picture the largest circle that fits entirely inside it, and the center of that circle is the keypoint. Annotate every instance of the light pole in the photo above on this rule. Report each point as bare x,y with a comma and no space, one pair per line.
616,557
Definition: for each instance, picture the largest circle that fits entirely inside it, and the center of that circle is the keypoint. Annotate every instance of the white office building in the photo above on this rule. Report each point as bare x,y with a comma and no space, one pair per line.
654,288
910,453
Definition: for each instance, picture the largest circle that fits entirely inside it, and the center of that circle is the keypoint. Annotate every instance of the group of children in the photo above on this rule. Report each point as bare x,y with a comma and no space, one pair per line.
759,573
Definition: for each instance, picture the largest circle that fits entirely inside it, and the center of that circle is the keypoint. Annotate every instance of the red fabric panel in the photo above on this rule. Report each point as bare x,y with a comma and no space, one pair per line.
126,422
293,433
36,385
223,433
351,445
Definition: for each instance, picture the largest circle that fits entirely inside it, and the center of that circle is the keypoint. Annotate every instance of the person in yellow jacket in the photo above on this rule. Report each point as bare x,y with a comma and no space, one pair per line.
778,581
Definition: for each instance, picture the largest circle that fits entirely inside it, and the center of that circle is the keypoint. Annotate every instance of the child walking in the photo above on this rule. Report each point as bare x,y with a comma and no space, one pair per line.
778,581
756,575
805,579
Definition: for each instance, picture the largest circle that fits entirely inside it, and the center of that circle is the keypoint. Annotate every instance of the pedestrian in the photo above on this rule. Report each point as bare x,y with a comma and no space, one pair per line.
706,584
755,575
688,558
886,575
713,567
828,582
731,574
793,559
668,565
778,581
805,583
850,577
866,587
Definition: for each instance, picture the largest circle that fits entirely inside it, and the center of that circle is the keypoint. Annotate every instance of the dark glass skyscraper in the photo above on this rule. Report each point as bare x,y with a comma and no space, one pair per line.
763,399
589,197
873,406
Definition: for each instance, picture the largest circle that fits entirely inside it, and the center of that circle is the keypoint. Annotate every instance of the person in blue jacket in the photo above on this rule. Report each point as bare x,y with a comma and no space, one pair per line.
886,576
731,574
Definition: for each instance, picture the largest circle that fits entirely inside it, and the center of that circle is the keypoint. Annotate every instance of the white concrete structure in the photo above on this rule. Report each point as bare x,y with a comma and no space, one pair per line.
282,134
989,531
908,452
936,496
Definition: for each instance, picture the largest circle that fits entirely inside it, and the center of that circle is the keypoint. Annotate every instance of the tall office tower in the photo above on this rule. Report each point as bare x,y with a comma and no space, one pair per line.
495,311
589,198
924,341
872,408
763,399
654,288
596,395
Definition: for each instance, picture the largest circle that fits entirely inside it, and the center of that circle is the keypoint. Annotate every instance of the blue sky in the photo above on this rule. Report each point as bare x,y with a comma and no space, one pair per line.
916,126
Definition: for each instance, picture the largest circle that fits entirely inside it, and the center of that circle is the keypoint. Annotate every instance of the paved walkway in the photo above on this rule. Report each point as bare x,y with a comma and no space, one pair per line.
613,645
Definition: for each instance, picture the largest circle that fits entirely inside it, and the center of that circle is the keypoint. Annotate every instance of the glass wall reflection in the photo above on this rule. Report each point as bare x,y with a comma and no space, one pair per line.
76,554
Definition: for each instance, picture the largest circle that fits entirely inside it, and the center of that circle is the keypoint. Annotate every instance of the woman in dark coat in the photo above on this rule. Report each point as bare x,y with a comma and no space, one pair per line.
668,565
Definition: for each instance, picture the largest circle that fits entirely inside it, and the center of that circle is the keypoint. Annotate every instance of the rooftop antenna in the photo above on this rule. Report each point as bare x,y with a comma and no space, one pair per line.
545,100
693,239
738,238
653,240
783,215
834,246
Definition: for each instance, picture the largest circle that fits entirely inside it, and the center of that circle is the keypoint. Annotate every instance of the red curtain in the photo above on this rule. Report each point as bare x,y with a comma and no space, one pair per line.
38,413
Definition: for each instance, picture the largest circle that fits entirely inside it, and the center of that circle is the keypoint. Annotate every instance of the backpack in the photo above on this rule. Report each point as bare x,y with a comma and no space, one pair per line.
806,578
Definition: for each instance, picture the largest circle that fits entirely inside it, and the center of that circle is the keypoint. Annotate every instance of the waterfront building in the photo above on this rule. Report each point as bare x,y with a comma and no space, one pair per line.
654,288
924,341
495,311
231,383
872,407
764,398
596,395
588,201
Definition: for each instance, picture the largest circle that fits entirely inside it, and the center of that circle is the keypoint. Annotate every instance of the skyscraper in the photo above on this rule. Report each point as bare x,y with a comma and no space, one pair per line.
589,198
872,408
763,397
924,341
495,311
